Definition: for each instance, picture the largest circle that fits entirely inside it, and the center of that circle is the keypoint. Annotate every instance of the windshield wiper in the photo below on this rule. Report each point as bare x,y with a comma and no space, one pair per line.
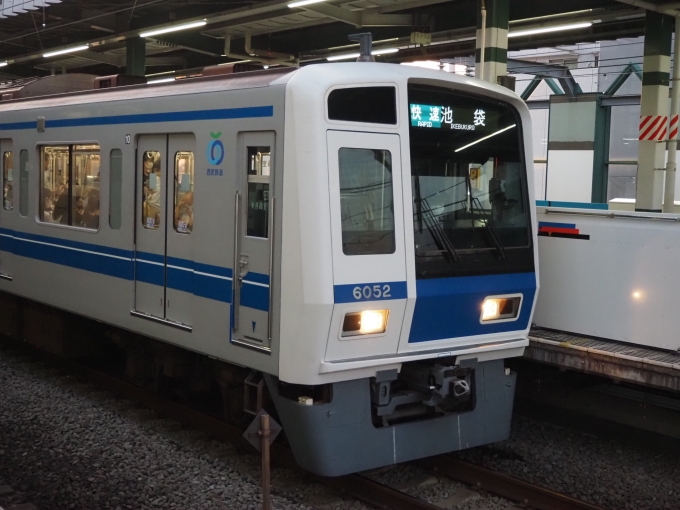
440,238
488,223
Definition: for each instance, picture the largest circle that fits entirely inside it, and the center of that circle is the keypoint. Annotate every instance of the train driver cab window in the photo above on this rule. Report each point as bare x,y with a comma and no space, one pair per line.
366,201
70,185
184,192
7,181
152,184
259,161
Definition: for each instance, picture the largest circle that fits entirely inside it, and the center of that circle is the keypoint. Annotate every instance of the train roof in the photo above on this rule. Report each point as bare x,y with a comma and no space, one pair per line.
321,75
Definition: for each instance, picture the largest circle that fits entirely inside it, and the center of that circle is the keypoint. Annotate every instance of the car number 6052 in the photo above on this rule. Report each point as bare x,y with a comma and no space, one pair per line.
372,292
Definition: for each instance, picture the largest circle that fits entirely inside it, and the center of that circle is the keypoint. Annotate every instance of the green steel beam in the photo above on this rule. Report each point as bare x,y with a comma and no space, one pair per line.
554,86
533,85
622,77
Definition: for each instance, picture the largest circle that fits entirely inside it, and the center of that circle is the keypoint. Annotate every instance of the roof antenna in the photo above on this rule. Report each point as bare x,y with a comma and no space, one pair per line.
365,41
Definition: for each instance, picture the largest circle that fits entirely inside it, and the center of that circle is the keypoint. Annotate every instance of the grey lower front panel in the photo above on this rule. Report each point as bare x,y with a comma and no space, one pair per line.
338,437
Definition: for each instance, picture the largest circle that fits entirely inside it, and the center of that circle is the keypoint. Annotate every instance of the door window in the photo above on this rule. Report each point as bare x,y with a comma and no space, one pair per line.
152,189
366,201
8,192
259,161
184,192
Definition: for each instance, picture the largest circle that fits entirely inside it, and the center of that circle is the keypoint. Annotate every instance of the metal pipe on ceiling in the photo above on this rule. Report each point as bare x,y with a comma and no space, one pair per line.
253,54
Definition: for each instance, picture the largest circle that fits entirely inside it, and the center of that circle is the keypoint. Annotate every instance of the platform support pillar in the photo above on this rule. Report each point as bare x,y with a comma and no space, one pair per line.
654,112
669,186
135,56
491,54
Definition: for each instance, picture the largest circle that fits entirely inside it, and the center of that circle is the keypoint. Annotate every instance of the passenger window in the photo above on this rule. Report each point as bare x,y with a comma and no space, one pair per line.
115,188
152,188
23,182
259,172
375,105
86,186
7,193
366,201
70,191
184,192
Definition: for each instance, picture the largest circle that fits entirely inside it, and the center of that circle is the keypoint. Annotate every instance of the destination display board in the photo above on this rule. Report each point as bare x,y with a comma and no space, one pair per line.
457,118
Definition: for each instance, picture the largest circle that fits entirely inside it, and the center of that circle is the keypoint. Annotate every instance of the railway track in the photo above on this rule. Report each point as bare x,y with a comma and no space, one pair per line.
356,486
500,484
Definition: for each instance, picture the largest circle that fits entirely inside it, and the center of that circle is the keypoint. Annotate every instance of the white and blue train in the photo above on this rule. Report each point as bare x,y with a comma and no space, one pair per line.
361,234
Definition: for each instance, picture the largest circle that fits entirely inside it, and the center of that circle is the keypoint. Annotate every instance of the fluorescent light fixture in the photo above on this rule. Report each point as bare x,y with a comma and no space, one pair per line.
304,2
544,30
346,56
166,30
3,64
343,57
68,50
162,80
159,74
385,51
485,138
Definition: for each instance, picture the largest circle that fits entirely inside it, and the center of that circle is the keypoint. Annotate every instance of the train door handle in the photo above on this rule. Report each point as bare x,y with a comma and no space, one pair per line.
243,268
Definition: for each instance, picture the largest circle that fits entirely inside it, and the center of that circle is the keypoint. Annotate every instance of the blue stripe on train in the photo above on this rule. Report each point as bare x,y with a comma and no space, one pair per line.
369,292
255,296
142,118
204,280
451,307
89,257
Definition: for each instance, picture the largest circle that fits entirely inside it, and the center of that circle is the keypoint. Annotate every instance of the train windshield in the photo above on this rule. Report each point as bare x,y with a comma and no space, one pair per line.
470,201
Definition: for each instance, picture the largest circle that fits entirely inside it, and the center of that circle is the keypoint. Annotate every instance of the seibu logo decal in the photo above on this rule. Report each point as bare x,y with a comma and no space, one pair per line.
215,152
654,127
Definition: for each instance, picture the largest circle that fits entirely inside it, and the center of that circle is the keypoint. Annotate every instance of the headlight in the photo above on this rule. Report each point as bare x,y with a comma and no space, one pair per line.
500,308
367,322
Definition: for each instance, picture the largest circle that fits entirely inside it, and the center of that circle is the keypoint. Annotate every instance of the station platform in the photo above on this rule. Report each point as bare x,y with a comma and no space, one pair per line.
623,362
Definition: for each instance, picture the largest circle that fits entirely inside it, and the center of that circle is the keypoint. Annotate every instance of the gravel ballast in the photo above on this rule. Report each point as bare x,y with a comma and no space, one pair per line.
602,471
65,445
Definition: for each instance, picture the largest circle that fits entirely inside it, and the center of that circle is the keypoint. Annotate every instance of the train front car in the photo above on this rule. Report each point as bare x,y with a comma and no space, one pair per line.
408,263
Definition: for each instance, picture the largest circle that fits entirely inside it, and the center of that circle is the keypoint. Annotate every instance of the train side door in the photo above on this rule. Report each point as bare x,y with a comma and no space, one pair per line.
6,239
164,215
253,240
179,226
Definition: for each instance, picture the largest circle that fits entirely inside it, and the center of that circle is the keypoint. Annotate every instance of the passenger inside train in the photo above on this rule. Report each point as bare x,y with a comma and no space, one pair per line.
70,191
8,192
184,192
152,188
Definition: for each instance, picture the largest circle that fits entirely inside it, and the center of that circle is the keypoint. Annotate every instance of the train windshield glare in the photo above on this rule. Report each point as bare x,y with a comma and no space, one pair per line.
469,185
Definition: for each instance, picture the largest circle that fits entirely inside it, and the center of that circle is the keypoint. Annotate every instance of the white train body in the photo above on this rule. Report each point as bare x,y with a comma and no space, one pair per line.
261,253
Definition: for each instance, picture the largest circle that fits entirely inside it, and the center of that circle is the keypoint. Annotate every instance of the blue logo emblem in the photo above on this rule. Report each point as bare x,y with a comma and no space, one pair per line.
215,151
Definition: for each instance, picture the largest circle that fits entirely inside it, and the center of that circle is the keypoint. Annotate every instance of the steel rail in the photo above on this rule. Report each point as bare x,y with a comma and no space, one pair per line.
504,485
356,486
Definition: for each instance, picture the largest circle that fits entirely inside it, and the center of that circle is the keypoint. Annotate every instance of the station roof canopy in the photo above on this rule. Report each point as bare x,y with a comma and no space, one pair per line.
97,34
